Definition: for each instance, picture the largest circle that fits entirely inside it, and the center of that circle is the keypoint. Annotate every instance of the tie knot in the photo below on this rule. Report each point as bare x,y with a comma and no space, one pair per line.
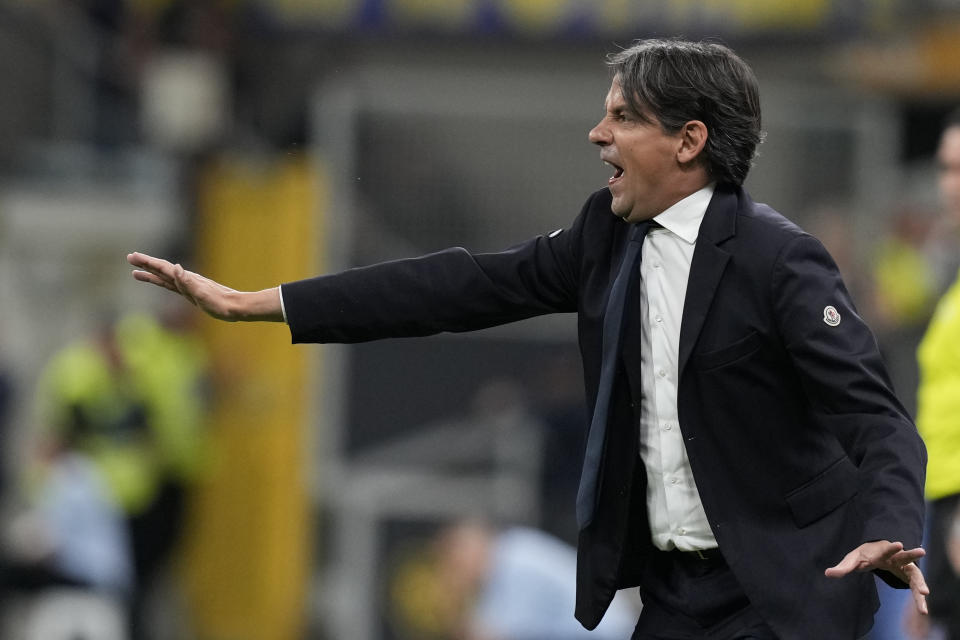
642,228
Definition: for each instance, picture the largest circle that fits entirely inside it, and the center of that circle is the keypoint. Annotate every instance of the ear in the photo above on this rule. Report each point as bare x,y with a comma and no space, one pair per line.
693,137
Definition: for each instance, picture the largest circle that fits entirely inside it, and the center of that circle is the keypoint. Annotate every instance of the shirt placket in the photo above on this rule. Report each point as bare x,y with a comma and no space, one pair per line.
664,385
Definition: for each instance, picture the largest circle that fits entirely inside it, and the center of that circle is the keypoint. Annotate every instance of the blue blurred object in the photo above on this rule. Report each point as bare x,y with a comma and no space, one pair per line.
888,623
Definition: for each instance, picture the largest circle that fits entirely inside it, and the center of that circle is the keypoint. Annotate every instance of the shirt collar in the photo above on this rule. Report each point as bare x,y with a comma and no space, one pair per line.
684,217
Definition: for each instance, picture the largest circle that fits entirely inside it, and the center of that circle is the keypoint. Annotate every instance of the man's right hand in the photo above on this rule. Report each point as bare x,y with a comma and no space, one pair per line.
214,299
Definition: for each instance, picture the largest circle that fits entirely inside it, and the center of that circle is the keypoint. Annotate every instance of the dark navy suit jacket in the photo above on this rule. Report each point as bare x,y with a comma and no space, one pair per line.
798,445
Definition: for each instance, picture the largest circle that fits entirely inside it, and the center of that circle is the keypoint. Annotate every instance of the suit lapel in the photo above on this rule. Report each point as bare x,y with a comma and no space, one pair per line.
706,268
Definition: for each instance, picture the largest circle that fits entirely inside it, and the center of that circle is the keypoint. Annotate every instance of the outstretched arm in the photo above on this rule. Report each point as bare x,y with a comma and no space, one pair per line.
216,300
850,392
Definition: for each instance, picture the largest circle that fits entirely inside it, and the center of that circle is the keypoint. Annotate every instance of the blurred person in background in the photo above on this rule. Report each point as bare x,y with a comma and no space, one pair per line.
905,284
68,549
903,294
770,441
829,223
133,401
938,414
514,583
942,246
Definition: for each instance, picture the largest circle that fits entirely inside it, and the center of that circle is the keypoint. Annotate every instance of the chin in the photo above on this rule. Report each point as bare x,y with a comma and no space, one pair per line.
620,211
627,214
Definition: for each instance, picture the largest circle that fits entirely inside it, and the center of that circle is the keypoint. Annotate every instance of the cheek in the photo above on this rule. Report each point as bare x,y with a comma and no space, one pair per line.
643,176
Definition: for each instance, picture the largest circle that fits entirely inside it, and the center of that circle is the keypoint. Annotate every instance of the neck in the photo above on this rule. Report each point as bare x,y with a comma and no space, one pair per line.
684,188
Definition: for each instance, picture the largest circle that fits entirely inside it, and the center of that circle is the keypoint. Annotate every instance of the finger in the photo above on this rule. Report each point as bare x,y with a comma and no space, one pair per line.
142,260
849,563
912,574
888,550
146,276
158,275
884,555
916,579
135,258
906,556
157,266
920,601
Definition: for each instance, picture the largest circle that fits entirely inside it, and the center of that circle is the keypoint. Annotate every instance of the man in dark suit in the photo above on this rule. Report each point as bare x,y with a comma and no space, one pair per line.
745,436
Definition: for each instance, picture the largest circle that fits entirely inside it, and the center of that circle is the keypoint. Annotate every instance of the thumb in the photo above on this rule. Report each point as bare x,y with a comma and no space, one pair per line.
845,566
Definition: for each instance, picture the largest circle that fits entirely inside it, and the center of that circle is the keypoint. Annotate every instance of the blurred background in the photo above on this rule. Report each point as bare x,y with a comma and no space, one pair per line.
165,476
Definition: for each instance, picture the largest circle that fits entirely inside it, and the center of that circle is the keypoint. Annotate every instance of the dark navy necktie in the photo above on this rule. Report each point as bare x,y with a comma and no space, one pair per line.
612,331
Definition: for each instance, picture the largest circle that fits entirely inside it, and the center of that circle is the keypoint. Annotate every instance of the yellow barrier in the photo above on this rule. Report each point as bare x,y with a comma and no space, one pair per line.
248,553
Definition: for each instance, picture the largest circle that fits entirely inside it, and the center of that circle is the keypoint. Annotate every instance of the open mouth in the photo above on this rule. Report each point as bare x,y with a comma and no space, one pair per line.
617,172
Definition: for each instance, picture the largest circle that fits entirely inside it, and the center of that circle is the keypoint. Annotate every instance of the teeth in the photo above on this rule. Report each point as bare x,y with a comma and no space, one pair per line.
617,171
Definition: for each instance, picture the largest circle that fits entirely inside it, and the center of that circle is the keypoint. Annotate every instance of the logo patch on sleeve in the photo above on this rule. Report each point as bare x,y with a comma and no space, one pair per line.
831,316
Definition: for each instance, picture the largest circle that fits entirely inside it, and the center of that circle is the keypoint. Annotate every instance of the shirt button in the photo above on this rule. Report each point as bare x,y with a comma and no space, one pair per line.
662,373
667,427
682,532
659,319
674,481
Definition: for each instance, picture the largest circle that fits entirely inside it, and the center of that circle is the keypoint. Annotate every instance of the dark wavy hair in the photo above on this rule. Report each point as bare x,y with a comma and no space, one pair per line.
675,81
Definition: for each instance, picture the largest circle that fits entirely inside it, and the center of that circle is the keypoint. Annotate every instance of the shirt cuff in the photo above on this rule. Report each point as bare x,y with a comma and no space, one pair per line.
283,309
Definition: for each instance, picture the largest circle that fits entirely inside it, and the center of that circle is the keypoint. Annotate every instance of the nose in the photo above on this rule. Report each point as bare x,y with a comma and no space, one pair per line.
599,135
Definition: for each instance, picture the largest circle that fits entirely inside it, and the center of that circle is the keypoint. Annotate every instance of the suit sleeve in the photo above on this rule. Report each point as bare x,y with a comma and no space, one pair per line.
837,360
452,290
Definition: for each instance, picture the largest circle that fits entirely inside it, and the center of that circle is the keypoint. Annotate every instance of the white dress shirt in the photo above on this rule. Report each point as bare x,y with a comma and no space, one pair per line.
677,519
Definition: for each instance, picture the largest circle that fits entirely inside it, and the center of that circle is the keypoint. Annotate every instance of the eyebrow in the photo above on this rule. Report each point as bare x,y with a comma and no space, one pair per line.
624,109
620,106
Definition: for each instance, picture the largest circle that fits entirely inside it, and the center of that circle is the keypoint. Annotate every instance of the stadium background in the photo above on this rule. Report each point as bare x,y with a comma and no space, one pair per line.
263,141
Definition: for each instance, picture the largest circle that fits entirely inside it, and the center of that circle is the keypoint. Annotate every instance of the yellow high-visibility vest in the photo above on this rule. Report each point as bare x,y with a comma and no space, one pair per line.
938,397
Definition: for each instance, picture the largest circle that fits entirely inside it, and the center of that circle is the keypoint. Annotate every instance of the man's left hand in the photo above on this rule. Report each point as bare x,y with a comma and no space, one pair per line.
887,556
